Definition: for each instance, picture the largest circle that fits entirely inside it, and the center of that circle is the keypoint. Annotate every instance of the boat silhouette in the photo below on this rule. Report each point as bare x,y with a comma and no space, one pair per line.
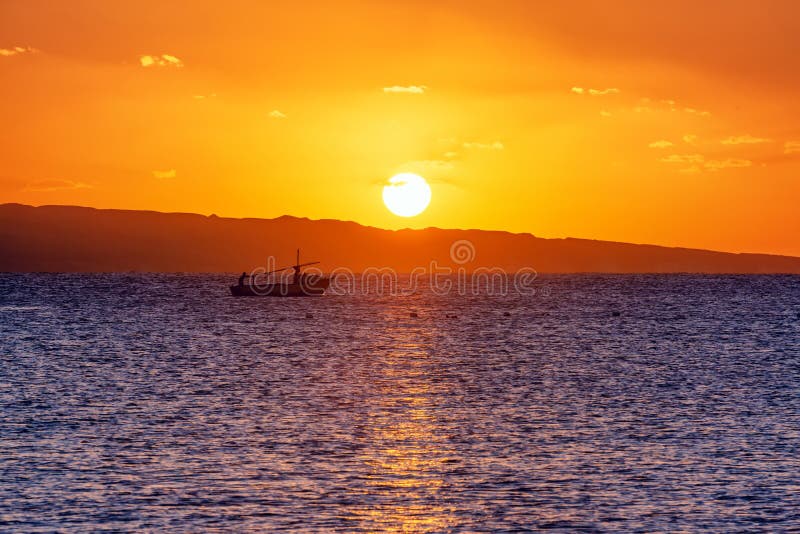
302,285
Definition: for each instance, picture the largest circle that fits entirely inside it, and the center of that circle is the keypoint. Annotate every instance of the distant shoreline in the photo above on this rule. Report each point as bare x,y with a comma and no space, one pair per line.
78,239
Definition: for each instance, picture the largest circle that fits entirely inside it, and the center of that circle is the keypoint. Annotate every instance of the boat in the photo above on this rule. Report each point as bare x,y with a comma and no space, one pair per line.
302,285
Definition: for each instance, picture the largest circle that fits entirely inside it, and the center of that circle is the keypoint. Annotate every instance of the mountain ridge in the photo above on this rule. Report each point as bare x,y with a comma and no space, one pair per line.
59,238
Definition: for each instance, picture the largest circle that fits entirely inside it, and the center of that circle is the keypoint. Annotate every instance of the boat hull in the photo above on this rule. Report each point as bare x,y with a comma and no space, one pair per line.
306,289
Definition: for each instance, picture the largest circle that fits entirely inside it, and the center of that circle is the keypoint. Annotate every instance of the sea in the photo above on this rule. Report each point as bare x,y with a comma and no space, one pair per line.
596,403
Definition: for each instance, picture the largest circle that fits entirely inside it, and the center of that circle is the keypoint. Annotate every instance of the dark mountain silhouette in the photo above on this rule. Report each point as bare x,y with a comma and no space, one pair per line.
70,238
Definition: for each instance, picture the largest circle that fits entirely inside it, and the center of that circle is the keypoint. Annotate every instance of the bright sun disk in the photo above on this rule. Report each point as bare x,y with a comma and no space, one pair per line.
407,194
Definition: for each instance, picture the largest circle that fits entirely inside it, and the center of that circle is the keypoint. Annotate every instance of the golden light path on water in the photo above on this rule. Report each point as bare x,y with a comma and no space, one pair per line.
408,456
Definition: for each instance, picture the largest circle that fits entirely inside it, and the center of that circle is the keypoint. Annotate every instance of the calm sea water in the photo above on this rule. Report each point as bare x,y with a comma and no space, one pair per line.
158,402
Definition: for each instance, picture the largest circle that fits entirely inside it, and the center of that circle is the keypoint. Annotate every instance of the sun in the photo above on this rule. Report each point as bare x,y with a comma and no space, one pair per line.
407,194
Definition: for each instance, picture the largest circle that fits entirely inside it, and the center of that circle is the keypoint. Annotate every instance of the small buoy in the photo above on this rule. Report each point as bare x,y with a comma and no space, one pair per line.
615,314
309,316
506,314
413,314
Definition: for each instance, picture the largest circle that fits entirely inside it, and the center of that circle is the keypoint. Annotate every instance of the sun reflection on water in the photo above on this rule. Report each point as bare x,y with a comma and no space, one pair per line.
408,456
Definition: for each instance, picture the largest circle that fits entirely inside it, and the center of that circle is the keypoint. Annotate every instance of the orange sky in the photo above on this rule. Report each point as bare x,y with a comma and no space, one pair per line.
675,123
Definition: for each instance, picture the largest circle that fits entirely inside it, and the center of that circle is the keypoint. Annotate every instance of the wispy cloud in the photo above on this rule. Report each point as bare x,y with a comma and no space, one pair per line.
55,185
164,175
496,145
683,158
661,144
408,89
605,113
15,50
427,167
791,147
716,165
609,91
595,92
203,97
649,105
164,60
276,114
700,163
690,139
744,140
697,111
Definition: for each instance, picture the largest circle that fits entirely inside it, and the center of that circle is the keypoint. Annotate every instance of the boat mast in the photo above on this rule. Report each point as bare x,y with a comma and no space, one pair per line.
297,268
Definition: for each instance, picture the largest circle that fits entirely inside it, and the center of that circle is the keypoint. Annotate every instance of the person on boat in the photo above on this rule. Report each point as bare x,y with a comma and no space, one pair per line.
241,279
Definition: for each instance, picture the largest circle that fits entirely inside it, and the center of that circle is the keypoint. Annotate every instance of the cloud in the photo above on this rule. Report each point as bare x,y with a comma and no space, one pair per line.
744,140
431,166
697,111
408,89
605,113
497,145
660,144
650,105
791,147
15,50
171,173
202,97
689,139
172,60
164,60
276,114
716,165
684,158
595,92
700,163
55,185
455,144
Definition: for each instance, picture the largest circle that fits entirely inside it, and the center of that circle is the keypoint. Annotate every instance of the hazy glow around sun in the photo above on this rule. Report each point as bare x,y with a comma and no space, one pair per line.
406,194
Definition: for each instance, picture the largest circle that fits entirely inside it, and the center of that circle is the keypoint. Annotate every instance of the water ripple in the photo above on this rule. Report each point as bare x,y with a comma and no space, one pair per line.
157,402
